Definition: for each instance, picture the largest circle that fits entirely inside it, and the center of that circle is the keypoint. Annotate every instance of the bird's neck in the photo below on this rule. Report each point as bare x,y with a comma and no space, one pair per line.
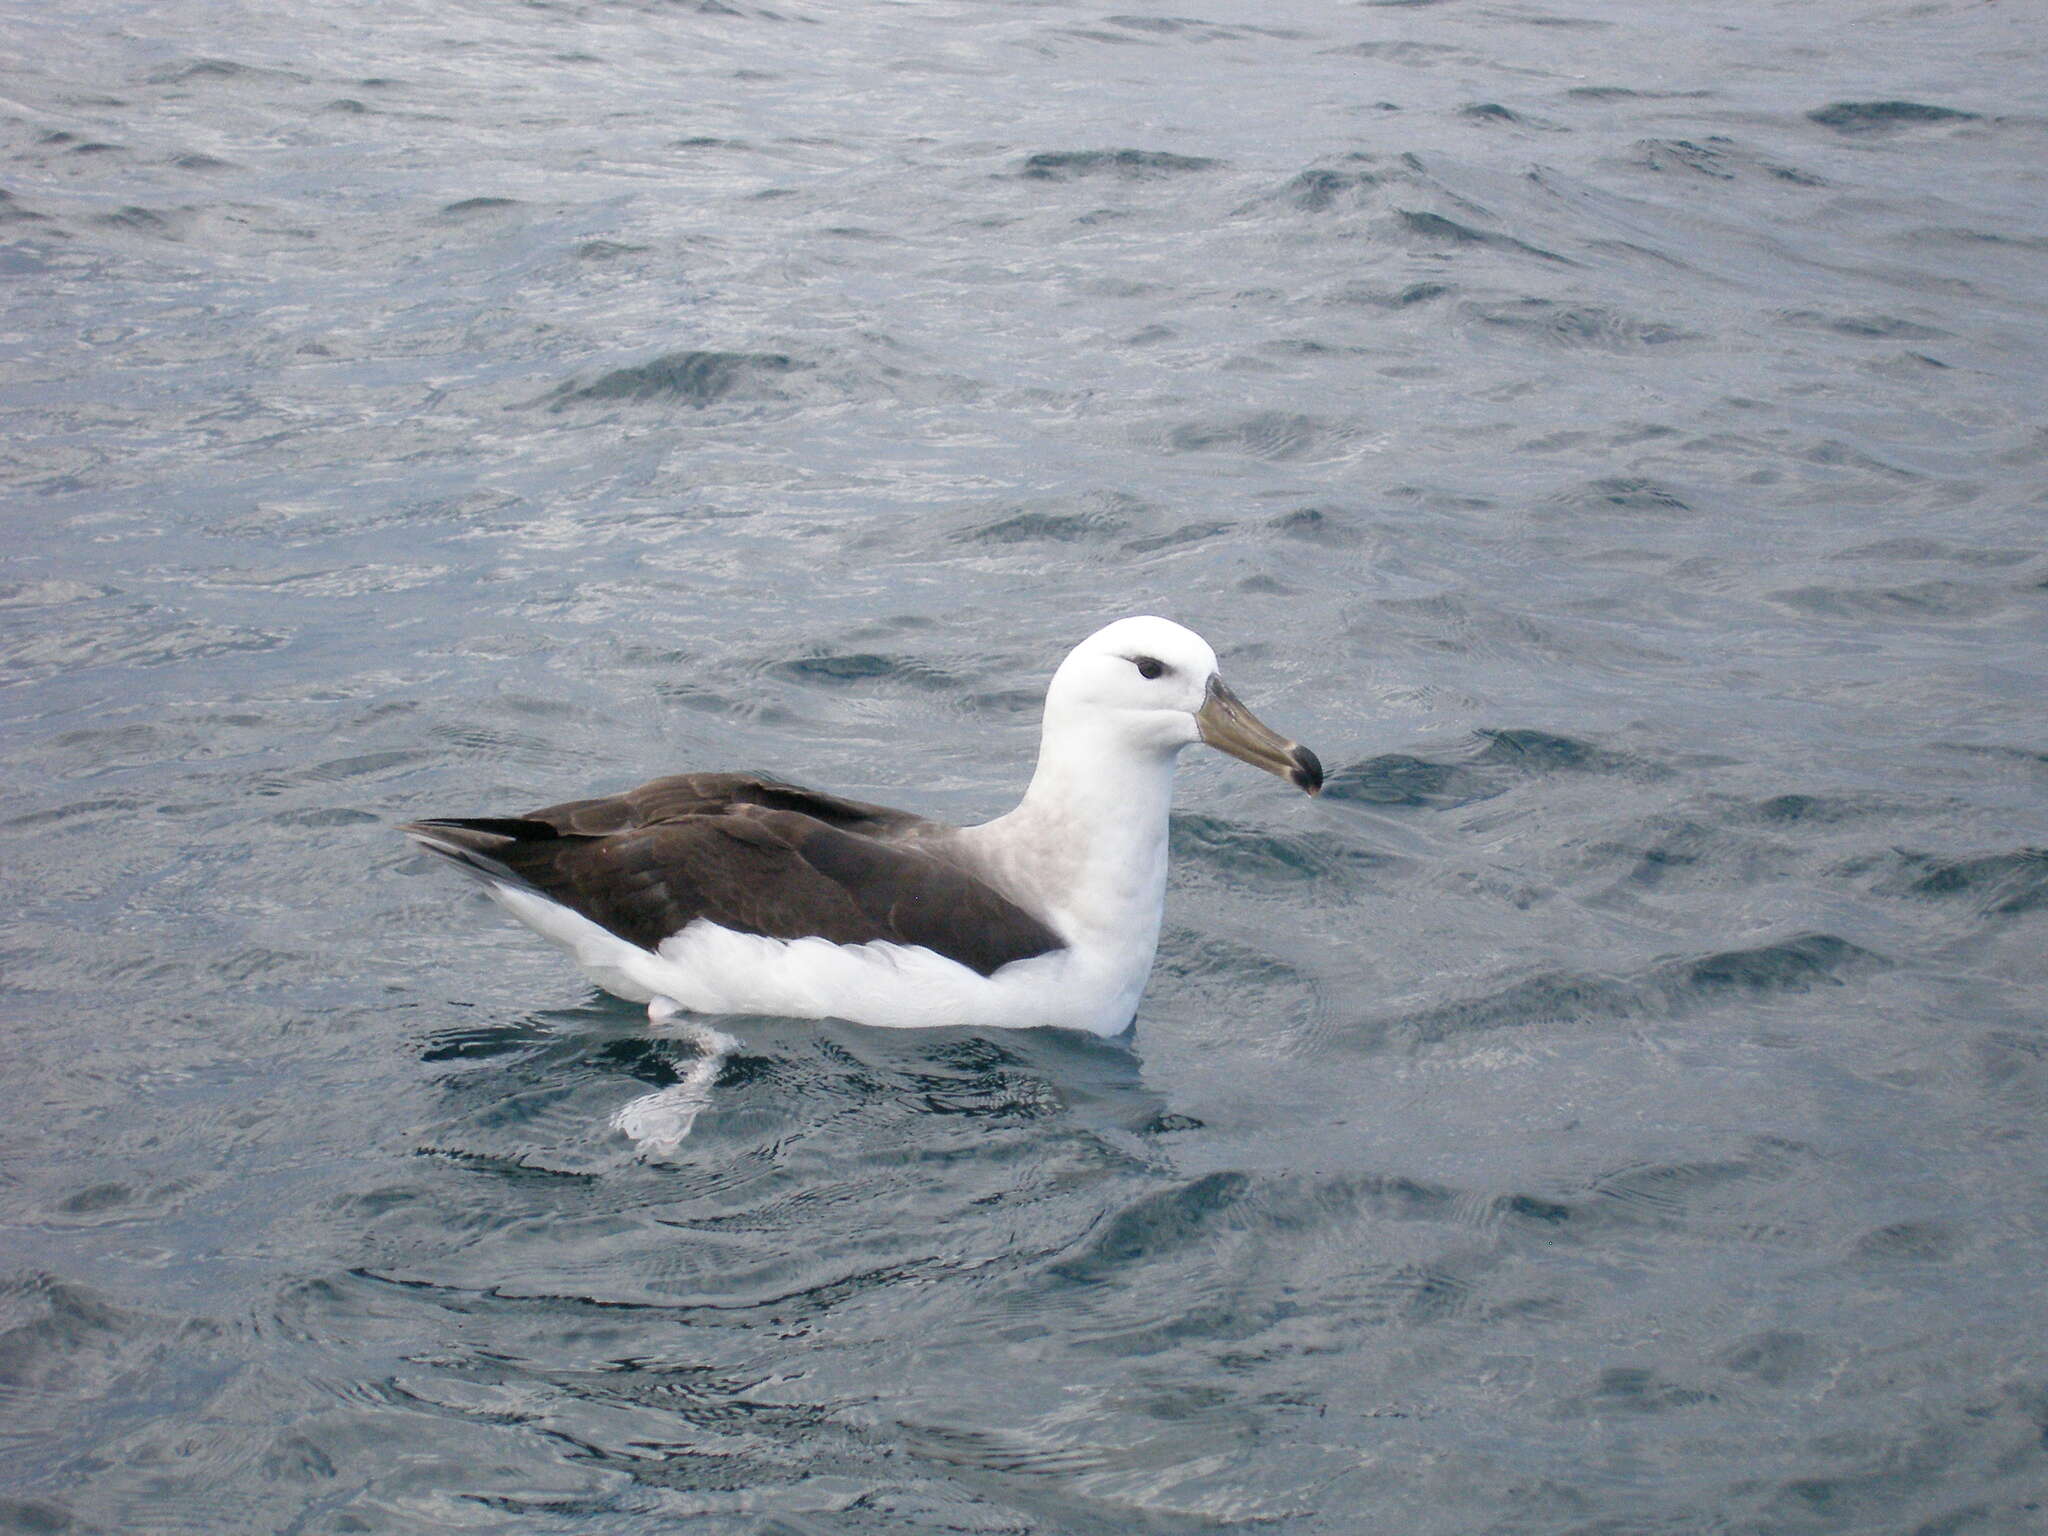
1088,841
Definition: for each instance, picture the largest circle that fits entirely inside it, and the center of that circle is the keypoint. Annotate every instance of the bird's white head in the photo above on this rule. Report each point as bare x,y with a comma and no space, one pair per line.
1153,685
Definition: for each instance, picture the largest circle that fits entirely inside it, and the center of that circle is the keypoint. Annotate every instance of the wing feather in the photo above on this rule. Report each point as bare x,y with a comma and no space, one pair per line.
751,854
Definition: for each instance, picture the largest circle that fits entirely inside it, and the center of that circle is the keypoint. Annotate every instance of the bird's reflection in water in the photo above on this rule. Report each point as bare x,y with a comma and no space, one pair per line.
753,1075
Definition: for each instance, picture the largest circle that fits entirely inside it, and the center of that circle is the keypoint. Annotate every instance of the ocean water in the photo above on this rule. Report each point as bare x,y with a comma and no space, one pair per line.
1610,432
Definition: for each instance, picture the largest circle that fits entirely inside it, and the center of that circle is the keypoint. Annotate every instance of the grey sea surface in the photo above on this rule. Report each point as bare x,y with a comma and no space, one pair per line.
1610,432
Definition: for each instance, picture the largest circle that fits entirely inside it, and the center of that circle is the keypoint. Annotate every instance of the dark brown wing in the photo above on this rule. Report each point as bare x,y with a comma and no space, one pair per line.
702,794
749,854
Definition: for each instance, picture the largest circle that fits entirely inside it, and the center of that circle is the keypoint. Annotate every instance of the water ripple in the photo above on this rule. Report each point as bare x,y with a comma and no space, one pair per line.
1613,1105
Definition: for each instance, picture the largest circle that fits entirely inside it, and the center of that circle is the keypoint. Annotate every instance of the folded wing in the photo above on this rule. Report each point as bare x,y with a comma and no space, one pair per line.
751,854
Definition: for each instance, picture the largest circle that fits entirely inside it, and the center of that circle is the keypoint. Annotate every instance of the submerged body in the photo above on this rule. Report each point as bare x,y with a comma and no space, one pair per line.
733,893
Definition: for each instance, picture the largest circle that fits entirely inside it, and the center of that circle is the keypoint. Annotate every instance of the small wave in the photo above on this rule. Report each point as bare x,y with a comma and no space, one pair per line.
1629,493
1627,93
1868,327
142,639
1491,114
1548,752
228,71
1819,810
840,669
1775,1357
1411,54
11,211
1120,164
472,207
1551,997
1321,188
1978,237
1436,228
1247,854
1791,965
1401,779
1915,548
97,811
1277,436
1191,30
2000,884
1318,525
1722,159
1491,763
1633,1389
1730,1190
1034,527
696,378
59,1336
72,144
1574,326
1148,1230
1914,600
165,224
1390,298
1921,1242
1885,116
1797,964
1177,538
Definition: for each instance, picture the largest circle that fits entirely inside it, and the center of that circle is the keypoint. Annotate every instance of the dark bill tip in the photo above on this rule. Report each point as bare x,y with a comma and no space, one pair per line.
1307,772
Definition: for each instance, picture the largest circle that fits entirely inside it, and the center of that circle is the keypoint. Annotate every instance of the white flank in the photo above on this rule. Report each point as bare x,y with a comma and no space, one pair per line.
709,969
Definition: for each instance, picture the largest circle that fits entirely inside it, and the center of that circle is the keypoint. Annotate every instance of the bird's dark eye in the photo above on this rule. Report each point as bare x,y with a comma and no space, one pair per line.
1149,667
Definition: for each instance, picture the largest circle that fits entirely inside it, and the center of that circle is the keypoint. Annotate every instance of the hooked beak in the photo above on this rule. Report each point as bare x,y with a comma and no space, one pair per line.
1226,725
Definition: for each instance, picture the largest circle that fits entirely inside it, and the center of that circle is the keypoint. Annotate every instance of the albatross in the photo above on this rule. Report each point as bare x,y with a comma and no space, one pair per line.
736,893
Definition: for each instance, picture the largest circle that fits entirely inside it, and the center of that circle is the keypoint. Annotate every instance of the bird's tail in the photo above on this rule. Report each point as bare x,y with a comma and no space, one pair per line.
475,845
